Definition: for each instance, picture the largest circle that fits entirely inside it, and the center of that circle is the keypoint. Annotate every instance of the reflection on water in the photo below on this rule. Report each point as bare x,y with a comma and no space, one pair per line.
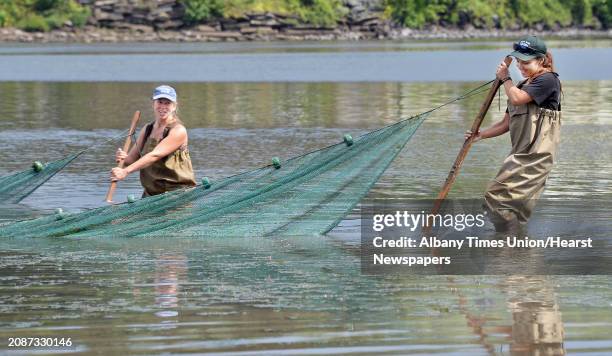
278,295
73,107
169,270
300,295
391,61
535,326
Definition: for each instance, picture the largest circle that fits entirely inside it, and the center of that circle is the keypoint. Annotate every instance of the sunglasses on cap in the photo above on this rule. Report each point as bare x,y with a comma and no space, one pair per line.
524,48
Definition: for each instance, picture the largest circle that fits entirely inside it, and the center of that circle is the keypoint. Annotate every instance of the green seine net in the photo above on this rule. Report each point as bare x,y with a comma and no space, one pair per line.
306,195
15,187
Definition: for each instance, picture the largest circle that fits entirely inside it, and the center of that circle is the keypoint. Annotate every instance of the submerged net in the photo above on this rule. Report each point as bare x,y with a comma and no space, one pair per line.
15,187
307,195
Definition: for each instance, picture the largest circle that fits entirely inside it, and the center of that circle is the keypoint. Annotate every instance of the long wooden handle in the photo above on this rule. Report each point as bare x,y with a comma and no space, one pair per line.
452,175
126,148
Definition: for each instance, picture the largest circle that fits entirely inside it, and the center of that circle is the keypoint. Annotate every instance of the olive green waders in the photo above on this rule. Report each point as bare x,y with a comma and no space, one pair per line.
513,193
169,173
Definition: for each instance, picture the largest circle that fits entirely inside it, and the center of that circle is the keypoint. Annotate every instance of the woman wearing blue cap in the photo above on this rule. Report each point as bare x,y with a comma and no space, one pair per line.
533,119
160,153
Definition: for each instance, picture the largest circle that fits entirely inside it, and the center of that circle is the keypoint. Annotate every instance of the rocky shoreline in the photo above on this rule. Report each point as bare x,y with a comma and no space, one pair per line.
205,33
121,21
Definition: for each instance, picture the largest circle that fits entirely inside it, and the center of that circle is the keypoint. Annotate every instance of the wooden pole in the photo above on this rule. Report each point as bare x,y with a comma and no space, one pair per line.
126,148
452,175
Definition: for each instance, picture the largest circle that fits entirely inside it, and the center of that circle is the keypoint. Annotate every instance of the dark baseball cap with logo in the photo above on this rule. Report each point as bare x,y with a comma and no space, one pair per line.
528,48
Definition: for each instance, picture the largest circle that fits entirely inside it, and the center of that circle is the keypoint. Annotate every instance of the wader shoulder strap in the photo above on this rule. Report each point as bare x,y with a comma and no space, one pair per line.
148,129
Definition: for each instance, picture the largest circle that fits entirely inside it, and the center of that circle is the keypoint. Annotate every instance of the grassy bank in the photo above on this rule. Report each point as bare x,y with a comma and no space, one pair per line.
42,15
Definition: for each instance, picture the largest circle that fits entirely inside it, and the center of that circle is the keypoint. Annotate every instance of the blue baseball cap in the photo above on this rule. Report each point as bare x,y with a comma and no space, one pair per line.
164,91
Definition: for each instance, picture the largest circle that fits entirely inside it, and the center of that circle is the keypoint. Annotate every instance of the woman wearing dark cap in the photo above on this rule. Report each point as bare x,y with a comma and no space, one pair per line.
533,119
160,153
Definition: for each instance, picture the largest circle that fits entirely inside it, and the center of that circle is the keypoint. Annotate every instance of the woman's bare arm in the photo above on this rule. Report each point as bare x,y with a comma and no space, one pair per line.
175,139
515,95
499,128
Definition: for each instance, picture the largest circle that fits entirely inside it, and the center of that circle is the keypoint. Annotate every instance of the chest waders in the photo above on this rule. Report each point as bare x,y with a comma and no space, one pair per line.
513,193
169,173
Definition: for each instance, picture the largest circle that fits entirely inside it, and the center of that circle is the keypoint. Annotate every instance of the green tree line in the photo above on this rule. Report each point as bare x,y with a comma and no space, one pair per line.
43,15
501,14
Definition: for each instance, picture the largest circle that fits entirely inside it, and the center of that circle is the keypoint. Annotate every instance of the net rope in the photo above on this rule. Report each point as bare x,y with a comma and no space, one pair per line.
17,186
